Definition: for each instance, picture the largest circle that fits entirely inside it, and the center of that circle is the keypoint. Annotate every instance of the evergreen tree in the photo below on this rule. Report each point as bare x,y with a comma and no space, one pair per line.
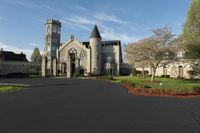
191,31
36,56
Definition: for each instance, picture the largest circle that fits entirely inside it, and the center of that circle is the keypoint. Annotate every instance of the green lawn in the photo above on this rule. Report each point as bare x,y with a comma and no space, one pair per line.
5,88
168,83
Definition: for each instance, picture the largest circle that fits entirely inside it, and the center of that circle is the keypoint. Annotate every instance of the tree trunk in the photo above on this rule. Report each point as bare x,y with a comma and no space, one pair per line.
143,72
153,75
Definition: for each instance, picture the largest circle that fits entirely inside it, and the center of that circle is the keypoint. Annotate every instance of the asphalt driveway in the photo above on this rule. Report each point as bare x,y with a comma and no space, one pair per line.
91,106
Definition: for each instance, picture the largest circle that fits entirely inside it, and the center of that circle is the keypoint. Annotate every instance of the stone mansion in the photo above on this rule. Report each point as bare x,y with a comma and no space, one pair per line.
74,58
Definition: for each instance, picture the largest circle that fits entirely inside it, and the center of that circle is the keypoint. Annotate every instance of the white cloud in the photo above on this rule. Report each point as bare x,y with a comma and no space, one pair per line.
80,20
110,18
125,38
15,49
107,32
81,8
74,25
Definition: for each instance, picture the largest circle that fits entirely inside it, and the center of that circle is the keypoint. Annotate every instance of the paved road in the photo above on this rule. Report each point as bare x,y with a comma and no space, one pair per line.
89,106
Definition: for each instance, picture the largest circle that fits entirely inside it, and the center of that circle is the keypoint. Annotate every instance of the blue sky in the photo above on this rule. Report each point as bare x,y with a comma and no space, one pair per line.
22,21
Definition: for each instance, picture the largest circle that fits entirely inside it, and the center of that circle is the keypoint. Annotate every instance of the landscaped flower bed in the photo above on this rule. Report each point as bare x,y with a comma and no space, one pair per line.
158,92
159,87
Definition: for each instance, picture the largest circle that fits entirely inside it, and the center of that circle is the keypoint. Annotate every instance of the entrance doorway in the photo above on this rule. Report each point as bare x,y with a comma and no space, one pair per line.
73,63
180,71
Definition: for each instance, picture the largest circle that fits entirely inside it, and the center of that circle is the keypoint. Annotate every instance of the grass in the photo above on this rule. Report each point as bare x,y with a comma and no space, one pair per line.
14,87
168,83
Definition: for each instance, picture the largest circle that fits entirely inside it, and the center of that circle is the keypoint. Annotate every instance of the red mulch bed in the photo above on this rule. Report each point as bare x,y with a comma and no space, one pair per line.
158,92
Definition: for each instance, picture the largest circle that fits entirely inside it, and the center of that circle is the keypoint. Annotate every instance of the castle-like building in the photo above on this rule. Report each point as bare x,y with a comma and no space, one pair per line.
74,58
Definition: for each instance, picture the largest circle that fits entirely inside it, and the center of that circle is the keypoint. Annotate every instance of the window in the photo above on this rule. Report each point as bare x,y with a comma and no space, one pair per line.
180,71
48,39
82,56
111,71
164,70
48,29
54,40
58,30
54,29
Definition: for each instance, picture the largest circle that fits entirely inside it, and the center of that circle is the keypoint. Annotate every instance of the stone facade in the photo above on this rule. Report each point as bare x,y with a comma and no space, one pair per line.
74,58
11,63
175,69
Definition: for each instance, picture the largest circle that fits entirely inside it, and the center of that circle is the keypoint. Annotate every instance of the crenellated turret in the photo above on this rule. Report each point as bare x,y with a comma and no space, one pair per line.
52,37
52,42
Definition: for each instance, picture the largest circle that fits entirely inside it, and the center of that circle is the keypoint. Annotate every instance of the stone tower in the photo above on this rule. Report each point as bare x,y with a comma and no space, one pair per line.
52,42
96,56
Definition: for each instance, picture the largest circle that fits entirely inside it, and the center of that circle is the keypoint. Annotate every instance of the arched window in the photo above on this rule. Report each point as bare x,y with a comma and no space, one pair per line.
55,29
48,39
72,50
48,29
82,56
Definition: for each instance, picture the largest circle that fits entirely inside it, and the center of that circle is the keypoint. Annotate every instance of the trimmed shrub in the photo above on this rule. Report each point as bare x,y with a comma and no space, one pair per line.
147,86
133,84
165,76
191,72
110,78
106,77
162,76
146,73
135,72
196,89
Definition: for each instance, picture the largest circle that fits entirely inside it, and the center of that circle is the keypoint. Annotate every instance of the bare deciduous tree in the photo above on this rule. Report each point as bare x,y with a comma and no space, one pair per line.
150,52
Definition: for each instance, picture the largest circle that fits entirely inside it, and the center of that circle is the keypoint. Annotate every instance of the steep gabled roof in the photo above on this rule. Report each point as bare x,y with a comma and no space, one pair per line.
95,33
11,56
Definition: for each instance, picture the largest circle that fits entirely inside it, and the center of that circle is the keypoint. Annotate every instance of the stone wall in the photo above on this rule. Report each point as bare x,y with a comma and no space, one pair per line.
8,67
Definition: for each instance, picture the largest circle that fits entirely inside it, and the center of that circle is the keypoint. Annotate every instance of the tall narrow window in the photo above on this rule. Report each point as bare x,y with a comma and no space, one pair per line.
82,56
54,29
48,29
58,30
49,39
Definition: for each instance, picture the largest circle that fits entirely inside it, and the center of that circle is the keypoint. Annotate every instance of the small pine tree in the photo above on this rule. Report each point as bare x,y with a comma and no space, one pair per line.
36,56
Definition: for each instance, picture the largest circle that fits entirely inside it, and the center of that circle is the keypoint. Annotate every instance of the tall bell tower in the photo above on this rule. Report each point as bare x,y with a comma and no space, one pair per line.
52,42
52,37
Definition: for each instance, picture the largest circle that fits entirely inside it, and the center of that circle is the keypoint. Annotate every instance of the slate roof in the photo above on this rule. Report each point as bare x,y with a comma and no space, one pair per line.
112,42
86,44
11,56
95,33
